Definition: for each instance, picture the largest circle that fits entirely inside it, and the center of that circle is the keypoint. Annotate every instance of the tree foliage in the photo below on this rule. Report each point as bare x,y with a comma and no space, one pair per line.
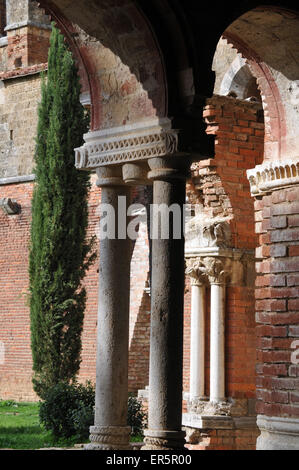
60,253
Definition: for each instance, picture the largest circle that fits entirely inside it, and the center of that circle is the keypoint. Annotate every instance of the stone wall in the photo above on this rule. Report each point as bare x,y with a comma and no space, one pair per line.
16,363
18,124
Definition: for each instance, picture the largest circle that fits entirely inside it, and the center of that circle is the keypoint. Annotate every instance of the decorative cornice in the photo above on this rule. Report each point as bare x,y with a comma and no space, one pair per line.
272,176
128,143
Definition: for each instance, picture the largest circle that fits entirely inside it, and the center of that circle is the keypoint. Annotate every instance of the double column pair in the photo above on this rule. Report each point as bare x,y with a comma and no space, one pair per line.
213,272
110,430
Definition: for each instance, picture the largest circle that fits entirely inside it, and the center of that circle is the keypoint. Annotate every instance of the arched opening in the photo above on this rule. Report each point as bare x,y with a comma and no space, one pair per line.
253,75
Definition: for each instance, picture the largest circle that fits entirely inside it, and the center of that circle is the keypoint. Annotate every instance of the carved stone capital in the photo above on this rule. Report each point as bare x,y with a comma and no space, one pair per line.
272,176
218,269
126,144
109,438
196,270
215,269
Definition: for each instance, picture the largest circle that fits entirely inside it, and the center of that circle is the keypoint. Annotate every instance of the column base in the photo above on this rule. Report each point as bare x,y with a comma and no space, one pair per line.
277,433
109,438
163,440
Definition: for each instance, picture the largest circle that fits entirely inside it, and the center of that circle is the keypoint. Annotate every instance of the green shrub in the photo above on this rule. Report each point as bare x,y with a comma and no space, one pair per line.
68,409
136,417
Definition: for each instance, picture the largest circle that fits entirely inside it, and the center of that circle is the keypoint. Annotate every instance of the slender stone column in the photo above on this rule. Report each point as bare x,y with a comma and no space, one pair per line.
217,343
197,344
110,430
167,295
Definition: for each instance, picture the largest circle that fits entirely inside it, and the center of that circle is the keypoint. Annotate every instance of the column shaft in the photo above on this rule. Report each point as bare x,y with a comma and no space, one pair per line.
166,343
217,343
197,345
110,430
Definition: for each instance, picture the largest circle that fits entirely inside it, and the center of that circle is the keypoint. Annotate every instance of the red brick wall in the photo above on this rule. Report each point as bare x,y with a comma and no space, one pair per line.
221,186
16,372
27,46
225,439
277,303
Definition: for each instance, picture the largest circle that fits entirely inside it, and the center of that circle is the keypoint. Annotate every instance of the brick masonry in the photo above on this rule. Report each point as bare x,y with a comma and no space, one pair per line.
277,307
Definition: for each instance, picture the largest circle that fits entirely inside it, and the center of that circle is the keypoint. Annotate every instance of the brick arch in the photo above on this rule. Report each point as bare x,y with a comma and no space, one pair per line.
119,60
274,112
274,68
85,65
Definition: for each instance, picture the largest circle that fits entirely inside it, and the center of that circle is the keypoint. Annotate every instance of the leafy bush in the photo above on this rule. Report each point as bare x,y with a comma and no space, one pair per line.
68,409
136,417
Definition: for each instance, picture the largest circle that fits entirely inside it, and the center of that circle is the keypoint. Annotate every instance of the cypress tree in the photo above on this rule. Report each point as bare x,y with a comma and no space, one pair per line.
60,254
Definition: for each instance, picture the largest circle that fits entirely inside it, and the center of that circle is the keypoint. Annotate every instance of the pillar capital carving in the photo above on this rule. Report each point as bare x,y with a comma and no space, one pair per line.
195,269
217,269
238,264
212,269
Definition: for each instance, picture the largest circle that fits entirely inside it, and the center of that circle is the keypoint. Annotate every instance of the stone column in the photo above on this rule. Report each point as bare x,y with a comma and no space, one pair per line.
197,341
167,295
217,278
197,344
110,430
217,343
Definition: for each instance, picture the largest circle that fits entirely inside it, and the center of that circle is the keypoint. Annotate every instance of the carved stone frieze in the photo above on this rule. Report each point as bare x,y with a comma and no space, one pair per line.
203,232
125,144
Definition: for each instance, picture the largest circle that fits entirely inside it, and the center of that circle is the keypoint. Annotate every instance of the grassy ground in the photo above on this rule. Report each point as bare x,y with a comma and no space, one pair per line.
20,428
